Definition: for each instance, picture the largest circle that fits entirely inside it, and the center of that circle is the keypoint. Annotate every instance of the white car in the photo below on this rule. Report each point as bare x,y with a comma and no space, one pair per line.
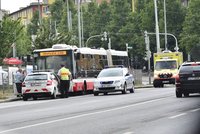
40,84
113,80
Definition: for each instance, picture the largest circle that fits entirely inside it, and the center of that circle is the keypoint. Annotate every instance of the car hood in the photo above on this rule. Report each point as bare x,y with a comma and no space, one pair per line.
108,78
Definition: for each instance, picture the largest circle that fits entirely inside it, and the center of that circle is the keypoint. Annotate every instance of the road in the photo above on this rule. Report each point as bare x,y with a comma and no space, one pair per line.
147,111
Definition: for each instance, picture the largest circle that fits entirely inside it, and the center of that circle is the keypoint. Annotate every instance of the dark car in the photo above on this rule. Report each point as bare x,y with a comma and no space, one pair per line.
188,79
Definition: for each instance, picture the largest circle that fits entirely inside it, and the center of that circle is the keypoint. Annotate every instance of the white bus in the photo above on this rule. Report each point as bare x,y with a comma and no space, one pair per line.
84,63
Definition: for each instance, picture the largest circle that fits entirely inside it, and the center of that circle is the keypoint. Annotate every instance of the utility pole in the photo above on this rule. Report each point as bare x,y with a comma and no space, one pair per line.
79,24
82,26
39,13
68,18
148,54
165,20
1,15
157,27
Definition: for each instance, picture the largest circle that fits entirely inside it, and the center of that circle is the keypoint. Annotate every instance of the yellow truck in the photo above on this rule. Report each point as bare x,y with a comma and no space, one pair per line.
166,66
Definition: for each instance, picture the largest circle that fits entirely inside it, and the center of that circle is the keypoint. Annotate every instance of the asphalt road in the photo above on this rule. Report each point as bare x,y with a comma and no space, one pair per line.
147,111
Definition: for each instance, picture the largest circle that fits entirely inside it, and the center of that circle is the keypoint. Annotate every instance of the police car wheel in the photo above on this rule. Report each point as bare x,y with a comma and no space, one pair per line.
125,89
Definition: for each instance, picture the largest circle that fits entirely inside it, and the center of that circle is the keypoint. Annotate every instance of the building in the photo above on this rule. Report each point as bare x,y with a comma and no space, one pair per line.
26,13
185,2
2,13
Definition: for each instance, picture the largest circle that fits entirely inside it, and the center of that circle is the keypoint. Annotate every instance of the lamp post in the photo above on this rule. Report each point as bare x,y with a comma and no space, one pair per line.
157,27
33,37
79,24
165,26
39,12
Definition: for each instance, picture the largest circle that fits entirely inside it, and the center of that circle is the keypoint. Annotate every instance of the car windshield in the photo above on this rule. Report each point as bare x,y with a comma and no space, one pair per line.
165,65
111,73
33,77
189,68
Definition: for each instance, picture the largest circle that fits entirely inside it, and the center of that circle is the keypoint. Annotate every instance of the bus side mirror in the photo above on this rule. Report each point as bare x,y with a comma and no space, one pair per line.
77,56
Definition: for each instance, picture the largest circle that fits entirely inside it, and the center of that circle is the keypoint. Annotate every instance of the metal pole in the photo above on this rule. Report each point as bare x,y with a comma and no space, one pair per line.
149,69
14,46
176,48
165,26
68,22
127,54
79,24
14,50
86,43
109,43
39,12
82,26
0,12
157,27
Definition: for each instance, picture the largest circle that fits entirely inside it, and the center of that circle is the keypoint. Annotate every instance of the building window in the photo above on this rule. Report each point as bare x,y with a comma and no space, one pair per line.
45,9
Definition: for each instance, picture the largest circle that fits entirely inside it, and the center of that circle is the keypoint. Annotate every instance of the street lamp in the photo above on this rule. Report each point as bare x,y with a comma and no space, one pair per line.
33,37
157,27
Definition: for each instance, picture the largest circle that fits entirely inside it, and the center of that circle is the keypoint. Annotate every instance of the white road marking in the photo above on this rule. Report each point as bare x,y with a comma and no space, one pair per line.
128,133
172,117
195,110
81,115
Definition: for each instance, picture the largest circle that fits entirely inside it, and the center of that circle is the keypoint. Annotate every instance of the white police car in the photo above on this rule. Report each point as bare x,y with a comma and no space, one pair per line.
114,80
40,84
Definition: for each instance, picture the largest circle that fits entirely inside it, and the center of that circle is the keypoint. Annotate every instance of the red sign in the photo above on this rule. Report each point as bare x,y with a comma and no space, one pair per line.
12,61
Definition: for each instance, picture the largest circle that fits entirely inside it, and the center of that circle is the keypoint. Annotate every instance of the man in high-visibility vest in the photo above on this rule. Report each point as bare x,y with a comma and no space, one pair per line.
64,74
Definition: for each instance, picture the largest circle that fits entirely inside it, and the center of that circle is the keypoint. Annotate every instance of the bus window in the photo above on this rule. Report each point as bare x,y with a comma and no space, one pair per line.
77,55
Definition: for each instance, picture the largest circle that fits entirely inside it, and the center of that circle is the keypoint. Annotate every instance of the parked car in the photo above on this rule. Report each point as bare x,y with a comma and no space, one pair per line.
188,79
114,80
40,84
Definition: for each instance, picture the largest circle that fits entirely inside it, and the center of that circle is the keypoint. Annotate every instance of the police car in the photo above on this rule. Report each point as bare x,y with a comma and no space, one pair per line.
114,80
40,84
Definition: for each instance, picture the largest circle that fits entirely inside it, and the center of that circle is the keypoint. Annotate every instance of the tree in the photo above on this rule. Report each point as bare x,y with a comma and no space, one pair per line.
191,30
12,31
46,37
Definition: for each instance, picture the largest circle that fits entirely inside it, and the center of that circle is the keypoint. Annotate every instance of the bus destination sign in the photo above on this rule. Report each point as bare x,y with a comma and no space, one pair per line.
53,53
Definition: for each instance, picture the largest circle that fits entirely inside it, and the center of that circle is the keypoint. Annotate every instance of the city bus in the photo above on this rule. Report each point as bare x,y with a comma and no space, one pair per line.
84,63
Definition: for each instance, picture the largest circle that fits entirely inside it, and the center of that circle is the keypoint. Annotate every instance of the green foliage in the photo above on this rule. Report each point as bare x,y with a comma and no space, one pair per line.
191,30
46,37
12,31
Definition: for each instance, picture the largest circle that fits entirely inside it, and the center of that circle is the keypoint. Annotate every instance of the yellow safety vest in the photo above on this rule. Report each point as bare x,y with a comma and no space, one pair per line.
64,74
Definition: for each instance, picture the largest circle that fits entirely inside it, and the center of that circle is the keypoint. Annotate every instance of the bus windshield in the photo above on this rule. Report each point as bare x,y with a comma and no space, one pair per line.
165,65
53,62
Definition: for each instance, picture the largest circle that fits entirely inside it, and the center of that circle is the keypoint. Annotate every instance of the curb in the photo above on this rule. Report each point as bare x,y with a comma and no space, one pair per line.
10,99
19,98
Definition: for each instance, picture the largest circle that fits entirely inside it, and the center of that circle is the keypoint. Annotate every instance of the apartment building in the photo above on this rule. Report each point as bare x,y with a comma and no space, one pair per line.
26,13
185,2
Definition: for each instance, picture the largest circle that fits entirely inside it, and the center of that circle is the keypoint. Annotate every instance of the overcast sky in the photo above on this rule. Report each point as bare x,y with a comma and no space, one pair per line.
14,5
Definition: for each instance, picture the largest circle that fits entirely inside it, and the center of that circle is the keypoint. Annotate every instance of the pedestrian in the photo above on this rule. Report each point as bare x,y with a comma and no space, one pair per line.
64,75
19,77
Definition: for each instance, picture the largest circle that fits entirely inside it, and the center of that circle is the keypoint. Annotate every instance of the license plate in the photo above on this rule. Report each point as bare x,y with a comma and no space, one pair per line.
165,81
35,84
193,78
108,85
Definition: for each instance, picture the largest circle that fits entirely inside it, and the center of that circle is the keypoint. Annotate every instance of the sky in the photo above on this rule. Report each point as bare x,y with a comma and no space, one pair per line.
14,5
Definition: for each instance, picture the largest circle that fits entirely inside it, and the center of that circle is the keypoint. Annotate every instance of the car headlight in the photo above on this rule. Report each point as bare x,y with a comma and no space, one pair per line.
96,83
